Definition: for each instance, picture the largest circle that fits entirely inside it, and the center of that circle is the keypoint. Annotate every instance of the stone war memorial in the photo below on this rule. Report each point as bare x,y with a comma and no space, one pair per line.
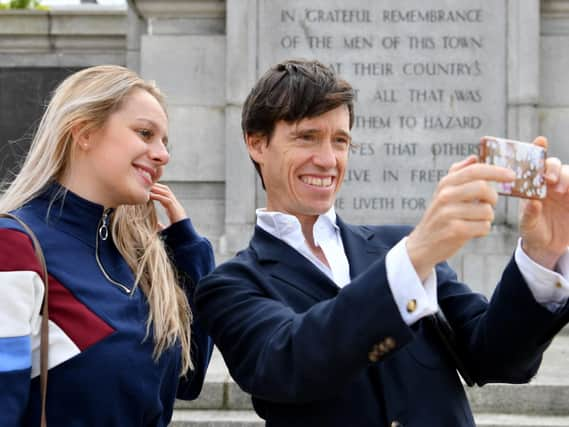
428,82
431,78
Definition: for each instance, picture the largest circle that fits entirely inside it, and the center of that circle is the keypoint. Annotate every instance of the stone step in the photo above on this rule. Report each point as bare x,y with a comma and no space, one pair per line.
220,418
510,420
547,394
216,418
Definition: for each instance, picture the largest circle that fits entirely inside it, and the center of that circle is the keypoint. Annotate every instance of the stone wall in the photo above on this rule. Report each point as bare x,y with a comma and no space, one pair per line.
553,105
243,37
184,50
206,54
62,37
37,50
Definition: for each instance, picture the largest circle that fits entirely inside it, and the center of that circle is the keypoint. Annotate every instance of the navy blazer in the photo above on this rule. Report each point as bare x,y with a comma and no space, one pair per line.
301,346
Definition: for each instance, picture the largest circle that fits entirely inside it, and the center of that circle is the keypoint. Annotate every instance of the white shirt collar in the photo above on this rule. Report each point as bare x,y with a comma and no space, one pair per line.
283,225
326,234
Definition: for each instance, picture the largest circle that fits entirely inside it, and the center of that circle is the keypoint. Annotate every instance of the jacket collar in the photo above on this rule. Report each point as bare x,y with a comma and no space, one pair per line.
64,210
290,266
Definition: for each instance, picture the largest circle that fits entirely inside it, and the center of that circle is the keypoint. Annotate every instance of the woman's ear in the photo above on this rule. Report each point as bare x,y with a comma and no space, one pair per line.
81,137
256,144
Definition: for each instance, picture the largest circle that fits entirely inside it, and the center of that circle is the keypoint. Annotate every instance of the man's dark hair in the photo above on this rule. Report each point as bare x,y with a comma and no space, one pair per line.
291,91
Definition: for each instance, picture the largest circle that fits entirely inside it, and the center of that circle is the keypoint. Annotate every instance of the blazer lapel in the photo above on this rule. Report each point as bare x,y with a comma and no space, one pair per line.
362,249
287,265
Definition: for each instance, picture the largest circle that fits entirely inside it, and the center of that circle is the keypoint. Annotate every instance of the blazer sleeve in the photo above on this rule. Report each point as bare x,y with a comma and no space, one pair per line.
501,340
21,296
281,355
193,257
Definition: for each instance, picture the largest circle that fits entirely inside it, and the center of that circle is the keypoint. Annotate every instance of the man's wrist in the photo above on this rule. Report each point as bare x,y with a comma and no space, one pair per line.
417,258
545,258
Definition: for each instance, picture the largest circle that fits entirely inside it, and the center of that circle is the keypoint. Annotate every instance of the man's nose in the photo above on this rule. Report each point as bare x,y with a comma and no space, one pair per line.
325,156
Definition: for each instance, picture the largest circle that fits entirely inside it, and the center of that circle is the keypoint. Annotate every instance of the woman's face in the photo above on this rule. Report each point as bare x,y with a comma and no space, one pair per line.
122,160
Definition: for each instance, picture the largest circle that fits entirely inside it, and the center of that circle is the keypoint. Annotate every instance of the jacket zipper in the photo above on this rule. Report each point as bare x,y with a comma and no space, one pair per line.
103,234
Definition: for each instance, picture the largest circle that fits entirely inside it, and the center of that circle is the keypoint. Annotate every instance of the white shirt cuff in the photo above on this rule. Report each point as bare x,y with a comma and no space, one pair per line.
549,288
414,299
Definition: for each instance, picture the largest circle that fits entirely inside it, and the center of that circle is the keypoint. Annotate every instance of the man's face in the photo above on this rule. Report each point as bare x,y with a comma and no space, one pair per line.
303,166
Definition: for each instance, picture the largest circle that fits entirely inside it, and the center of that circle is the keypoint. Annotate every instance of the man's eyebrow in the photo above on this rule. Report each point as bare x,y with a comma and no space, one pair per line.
154,125
304,131
344,133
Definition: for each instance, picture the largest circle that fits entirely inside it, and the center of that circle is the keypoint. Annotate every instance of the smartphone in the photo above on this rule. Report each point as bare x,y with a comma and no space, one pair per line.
525,159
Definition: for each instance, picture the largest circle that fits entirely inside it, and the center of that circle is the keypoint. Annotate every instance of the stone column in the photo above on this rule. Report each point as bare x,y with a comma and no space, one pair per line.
183,50
553,116
482,261
241,59
523,79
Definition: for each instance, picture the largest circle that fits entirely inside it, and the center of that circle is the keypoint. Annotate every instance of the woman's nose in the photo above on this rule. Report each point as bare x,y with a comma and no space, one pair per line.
159,153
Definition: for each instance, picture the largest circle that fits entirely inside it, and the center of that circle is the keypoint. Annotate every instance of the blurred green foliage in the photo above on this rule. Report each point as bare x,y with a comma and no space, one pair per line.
22,4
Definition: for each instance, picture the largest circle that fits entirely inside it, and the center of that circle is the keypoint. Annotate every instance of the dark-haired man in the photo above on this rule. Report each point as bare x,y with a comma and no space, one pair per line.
330,324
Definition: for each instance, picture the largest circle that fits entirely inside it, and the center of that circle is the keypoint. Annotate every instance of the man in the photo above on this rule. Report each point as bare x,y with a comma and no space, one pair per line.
327,323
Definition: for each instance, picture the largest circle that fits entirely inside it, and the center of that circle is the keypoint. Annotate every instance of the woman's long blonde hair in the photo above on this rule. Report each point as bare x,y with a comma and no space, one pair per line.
86,99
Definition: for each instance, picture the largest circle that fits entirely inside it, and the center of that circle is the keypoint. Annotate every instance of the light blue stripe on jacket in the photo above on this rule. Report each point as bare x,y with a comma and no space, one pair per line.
15,353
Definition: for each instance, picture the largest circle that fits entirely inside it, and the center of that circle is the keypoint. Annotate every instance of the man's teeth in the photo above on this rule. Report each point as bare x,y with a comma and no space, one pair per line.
318,182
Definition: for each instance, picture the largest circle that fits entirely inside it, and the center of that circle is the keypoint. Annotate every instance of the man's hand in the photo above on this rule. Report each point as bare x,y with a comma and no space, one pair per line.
462,208
544,224
174,209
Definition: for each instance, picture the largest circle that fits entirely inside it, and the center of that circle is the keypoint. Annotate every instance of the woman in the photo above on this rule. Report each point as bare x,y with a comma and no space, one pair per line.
121,347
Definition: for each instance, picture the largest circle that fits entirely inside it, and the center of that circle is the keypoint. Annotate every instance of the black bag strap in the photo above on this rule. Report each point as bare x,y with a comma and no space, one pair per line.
446,334
44,329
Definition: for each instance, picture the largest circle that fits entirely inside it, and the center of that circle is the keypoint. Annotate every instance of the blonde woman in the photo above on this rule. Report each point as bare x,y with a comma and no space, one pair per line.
121,347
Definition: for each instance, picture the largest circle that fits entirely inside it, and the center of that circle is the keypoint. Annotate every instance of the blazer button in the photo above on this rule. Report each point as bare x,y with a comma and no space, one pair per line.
411,306
396,424
389,343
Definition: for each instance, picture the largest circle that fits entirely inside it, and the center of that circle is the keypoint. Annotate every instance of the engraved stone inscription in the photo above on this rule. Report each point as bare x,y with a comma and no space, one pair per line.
429,79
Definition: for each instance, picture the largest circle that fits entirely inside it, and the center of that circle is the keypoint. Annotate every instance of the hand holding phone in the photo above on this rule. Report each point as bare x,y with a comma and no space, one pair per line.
525,159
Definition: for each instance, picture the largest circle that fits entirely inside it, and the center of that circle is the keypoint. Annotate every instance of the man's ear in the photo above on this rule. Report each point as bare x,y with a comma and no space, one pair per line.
256,144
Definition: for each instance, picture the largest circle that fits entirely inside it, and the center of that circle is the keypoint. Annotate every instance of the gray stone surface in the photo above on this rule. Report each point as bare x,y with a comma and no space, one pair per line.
239,174
61,59
216,419
189,26
196,138
554,17
62,37
482,272
190,69
523,48
554,60
204,202
404,149
136,27
554,122
241,50
73,22
166,9
240,186
509,420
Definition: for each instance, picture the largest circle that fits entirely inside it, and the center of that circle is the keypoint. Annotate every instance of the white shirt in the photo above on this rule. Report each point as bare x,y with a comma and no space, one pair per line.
326,236
549,288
